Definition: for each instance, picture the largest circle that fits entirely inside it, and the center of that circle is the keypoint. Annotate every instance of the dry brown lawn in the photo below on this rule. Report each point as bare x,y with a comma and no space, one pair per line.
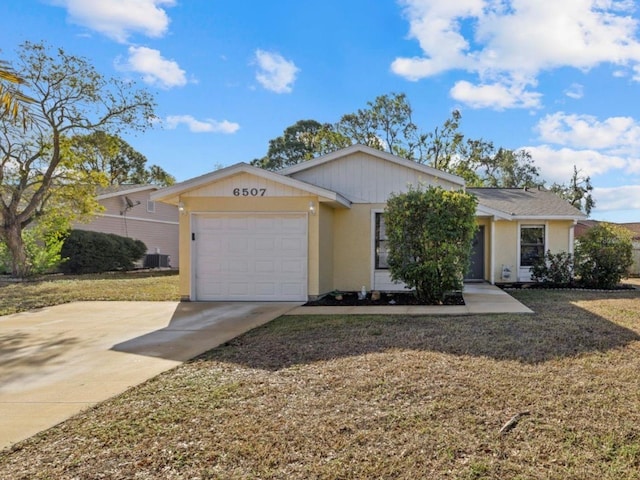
57,289
378,397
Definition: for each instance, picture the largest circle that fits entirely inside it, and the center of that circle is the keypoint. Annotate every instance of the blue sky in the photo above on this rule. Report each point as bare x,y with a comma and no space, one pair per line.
560,79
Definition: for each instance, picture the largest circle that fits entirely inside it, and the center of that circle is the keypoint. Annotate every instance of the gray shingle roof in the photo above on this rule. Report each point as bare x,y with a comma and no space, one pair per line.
117,190
519,202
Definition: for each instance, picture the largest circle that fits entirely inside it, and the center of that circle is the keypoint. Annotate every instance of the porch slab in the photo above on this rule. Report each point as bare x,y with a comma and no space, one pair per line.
479,298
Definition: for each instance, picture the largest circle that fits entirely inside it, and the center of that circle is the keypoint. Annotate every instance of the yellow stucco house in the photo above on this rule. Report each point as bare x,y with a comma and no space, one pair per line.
251,234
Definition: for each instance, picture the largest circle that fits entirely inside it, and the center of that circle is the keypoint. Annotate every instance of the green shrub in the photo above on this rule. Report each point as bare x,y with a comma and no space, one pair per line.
429,237
555,268
42,249
603,256
95,252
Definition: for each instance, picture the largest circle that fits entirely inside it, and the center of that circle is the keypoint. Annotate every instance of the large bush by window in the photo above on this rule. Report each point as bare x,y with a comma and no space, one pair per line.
429,237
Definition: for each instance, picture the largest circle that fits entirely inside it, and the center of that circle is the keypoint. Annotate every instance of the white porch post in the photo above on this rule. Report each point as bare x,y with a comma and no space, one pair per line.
572,234
492,262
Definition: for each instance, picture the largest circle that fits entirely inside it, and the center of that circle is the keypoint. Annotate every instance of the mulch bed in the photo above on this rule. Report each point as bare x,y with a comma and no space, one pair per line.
350,299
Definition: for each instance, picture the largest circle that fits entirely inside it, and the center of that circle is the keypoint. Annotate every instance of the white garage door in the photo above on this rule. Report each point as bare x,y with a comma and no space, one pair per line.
250,257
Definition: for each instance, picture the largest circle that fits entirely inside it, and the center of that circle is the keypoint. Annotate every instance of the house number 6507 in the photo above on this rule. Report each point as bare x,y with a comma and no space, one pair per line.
249,192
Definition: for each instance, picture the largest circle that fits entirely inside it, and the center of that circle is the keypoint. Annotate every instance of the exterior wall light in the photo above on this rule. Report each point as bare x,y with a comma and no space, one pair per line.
181,208
312,208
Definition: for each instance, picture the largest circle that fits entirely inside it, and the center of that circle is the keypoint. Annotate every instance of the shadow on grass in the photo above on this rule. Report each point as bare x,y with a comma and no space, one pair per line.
559,329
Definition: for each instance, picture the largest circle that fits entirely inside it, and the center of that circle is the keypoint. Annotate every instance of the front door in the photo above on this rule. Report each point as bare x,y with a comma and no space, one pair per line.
476,267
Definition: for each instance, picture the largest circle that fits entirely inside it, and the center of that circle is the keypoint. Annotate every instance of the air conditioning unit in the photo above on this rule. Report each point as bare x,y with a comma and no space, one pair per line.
156,260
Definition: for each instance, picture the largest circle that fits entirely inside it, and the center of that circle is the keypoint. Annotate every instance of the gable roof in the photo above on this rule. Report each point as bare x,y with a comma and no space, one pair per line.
519,203
171,194
357,148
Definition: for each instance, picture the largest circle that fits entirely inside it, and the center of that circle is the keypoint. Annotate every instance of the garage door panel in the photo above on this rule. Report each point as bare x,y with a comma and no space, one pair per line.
267,224
294,266
238,266
239,288
265,266
266,288
292,289
250,257
264,244
238,246
291,245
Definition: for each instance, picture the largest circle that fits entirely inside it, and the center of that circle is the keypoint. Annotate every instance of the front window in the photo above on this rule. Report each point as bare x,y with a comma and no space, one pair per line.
381,243
531,244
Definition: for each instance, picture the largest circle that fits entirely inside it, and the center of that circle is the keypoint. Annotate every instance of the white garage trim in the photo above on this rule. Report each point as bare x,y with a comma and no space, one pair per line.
249,256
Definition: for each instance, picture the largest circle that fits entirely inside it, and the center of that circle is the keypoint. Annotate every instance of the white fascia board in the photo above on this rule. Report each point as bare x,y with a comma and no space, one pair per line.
549,217
484,211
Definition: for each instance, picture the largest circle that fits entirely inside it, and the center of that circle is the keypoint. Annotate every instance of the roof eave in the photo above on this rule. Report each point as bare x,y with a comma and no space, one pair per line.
549,217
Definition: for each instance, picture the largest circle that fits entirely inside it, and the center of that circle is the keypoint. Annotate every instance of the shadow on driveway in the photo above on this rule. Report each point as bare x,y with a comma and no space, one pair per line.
196,327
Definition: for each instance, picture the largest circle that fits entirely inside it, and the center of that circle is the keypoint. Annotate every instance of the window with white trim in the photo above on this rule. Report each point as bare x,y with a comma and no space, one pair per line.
381,243
531,244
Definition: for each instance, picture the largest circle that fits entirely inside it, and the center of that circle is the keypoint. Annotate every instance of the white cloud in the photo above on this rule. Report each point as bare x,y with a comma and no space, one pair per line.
575,91
556,165
118,19
155,69
624,197
495,95
618,135
275,73
199,126
511,41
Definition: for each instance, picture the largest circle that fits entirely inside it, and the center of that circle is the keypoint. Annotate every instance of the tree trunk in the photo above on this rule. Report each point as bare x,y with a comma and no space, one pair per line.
13,235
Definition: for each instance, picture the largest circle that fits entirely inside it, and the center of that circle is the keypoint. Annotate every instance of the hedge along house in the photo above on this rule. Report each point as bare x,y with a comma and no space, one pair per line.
251,234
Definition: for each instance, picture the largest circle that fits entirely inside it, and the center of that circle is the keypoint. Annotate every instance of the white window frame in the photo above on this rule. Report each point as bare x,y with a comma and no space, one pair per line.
380,279
524,272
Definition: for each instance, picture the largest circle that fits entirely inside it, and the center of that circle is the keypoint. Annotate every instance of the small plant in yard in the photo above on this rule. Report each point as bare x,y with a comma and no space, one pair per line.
42,251
603,256
554,268
429,235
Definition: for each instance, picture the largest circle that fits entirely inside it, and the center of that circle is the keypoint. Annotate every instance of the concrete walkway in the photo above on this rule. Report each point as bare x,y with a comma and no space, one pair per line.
479,298
57,361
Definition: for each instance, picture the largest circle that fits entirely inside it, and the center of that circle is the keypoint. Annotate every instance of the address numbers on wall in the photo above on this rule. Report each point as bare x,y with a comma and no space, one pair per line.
249,192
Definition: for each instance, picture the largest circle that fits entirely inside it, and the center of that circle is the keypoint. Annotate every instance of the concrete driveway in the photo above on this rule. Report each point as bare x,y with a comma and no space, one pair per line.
57,361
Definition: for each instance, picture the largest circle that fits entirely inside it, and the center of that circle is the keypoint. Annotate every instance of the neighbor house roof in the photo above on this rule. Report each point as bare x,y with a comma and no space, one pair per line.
634,227
117,190
520,203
